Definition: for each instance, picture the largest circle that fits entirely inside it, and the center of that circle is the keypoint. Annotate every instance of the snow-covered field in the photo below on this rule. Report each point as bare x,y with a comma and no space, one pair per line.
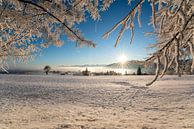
95,102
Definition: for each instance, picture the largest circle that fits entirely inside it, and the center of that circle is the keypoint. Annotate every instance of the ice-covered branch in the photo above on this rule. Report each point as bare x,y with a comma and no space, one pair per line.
165,55
175,29
191,46
129,19
167,44
157,72
49,13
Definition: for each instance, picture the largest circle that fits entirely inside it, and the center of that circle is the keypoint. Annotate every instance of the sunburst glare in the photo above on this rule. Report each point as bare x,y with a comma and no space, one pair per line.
122,59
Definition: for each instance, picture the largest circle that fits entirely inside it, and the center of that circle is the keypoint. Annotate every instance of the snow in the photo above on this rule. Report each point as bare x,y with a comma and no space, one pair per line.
96,102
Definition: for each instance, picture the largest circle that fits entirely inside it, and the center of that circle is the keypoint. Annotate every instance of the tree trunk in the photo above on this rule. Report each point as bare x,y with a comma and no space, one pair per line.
177,60
192,54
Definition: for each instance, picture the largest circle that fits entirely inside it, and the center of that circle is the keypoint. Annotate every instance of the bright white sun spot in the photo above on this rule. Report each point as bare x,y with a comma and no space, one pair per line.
122,59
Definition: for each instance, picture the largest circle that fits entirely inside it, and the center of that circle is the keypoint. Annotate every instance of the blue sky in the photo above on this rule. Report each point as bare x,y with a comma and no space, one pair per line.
104,53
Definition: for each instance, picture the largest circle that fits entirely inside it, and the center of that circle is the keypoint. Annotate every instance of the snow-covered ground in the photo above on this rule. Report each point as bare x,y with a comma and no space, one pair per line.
95,102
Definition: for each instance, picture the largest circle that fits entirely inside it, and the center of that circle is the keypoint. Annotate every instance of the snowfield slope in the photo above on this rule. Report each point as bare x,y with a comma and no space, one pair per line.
95,102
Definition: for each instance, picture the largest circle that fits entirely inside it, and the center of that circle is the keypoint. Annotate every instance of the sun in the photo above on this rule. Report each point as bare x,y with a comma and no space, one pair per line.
122,59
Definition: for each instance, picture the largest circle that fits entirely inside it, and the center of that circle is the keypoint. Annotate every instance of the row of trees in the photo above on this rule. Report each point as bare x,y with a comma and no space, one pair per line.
24,22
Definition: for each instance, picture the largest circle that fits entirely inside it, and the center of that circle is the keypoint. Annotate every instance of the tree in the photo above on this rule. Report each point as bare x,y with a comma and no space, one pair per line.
23,22
47,69
86,72
139,71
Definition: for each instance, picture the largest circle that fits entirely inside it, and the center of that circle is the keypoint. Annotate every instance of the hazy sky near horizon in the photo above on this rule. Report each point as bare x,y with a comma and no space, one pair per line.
104,53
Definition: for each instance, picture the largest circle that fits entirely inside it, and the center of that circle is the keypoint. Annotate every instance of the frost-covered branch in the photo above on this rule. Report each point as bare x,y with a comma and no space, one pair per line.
126,23
191,47
49,13
165,55
174,39
51,19
157,72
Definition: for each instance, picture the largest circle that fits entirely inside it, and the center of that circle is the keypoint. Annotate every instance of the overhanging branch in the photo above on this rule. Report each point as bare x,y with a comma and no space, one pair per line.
56,18
172,39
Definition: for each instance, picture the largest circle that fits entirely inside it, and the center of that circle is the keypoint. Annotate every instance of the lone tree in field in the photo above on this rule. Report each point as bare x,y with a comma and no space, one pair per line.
86,72
23,22
139,71
47,69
